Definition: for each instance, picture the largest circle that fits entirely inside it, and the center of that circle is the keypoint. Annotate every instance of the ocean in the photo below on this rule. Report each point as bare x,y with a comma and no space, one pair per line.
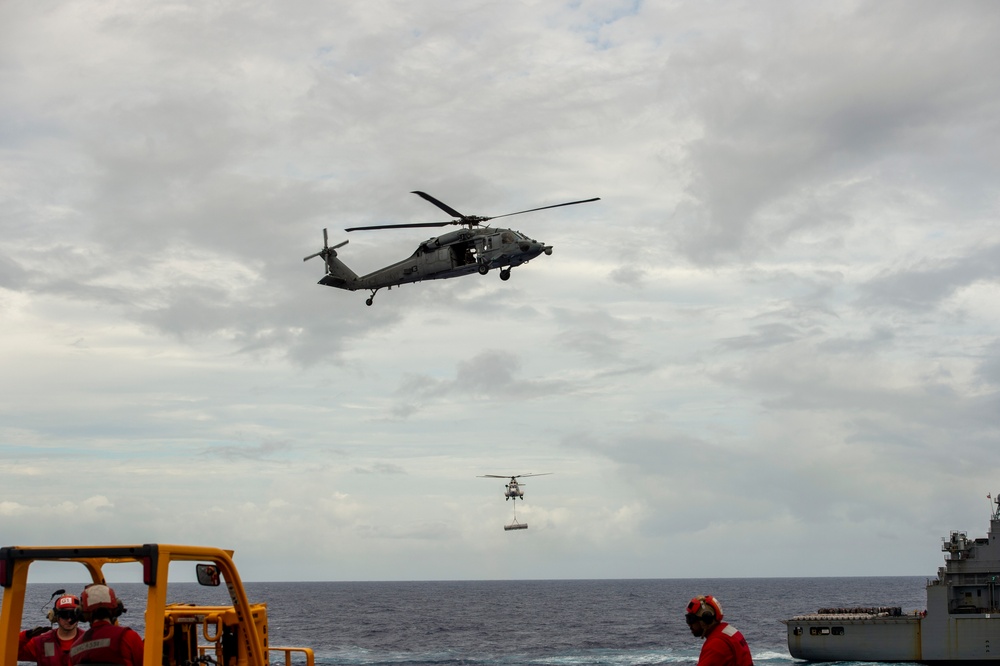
525,623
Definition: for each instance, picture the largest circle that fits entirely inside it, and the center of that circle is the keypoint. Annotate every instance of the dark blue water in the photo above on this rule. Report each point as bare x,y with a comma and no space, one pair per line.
527,623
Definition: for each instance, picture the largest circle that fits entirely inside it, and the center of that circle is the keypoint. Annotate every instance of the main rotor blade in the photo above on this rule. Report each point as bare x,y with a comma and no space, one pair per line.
531,210
470,220
443,206
414,225
527,475
492,476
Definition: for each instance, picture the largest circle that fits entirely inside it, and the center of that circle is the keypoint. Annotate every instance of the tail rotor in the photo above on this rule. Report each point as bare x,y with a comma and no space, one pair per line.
327,252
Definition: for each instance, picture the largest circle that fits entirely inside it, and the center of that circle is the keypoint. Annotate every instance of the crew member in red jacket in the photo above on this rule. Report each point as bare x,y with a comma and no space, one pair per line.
105,642
48,646
724,645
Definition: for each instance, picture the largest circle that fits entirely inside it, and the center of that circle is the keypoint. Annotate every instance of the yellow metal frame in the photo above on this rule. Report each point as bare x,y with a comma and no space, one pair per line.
155,560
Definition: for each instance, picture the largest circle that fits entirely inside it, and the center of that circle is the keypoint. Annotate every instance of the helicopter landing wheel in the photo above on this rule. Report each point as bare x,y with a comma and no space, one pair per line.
483,269
369,301
505,274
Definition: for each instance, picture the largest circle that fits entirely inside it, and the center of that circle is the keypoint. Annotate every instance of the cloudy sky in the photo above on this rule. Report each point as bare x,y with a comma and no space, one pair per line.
772,348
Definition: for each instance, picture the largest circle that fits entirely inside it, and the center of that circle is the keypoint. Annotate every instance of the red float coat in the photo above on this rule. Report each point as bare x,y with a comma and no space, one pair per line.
725,646
107,643
46,649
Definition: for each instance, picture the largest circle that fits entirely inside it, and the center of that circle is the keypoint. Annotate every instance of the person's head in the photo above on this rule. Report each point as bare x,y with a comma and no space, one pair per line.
99,602
65,611
703,612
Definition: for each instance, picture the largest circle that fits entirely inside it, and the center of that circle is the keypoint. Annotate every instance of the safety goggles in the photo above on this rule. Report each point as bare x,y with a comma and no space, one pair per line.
69,616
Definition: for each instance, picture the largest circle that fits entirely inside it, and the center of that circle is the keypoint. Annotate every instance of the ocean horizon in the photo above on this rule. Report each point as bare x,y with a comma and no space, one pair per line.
609,622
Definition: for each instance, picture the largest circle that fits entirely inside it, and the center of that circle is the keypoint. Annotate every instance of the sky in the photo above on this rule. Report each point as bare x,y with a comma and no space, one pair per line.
772,348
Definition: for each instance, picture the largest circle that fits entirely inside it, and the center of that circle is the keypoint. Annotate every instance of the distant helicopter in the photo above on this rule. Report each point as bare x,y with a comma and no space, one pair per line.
474,249
513,490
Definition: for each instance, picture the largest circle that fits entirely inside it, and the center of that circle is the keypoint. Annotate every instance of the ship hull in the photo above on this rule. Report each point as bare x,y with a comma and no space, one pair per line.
974,637
920,637
854,639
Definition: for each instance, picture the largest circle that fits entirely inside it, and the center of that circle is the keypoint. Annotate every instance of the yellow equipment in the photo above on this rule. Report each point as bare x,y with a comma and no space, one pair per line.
175,634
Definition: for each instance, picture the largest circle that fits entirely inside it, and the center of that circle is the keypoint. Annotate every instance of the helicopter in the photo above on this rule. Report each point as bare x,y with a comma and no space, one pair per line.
473,249
513,490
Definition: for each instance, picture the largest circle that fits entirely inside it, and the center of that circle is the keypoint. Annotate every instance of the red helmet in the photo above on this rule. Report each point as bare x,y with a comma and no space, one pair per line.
66,602
98,596
706,608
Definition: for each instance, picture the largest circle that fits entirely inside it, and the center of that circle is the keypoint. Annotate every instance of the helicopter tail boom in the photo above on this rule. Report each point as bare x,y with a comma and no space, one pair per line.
338,275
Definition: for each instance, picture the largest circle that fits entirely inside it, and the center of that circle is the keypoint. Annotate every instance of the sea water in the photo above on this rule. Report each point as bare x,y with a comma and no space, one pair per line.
523,623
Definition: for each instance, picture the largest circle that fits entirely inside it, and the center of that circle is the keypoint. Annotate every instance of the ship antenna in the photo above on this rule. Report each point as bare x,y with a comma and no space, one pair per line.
996,511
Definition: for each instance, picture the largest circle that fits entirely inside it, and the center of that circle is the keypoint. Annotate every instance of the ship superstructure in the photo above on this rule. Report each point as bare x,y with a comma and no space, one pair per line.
961,622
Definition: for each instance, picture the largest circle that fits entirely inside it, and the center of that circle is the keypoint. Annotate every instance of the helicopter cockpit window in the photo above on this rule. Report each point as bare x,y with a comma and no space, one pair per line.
507,237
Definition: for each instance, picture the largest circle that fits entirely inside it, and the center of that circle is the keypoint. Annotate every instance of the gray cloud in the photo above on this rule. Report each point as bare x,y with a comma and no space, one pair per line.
780,318
927,284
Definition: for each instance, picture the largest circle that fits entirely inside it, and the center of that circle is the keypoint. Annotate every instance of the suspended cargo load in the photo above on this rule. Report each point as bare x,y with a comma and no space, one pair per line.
516,526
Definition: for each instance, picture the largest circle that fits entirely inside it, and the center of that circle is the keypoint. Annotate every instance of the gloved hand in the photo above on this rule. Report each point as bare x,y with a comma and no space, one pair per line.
37,631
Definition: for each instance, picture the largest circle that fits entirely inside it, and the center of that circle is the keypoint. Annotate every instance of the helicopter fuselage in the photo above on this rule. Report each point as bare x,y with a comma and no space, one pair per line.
513,491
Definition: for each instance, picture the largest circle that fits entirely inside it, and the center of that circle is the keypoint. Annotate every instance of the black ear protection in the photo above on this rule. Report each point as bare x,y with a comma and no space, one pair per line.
713,611
51,615
67,611
110,613
702,609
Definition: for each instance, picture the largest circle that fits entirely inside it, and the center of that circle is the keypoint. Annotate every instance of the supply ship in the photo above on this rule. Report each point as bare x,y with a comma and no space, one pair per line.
961,622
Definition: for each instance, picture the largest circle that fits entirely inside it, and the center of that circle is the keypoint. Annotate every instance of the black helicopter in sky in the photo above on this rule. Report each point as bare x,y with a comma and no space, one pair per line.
473,249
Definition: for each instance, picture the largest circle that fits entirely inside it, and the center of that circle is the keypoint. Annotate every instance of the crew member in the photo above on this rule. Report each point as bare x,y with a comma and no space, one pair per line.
105,642
724,645
47,646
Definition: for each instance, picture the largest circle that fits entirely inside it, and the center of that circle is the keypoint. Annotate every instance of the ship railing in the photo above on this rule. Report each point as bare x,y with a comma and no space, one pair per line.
890,611
975,578
289,651
287,655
